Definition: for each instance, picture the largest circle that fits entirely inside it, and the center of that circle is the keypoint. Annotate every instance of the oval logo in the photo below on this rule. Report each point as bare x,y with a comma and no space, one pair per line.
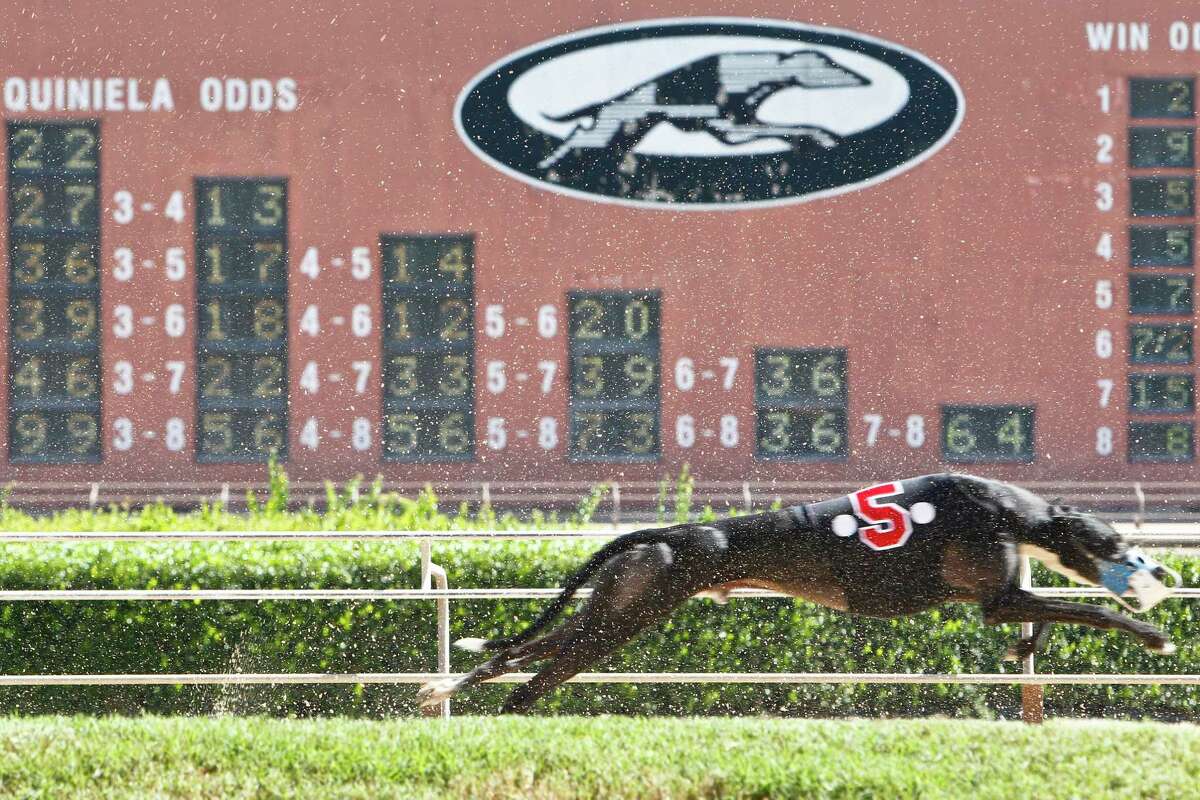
708,113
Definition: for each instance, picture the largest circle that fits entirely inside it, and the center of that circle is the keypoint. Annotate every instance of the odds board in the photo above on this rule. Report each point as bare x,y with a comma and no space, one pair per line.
452,242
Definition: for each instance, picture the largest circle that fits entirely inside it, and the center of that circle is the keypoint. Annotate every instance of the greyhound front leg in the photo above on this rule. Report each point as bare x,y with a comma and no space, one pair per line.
1027,646
1016,605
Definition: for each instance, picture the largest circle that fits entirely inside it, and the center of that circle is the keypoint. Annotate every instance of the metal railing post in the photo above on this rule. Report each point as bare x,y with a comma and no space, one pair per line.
1141,503
432,573
1033,710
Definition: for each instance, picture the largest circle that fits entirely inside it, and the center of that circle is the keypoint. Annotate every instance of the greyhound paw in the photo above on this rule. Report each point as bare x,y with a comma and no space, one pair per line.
717,595
471,645
1163,648
435,692
1019,650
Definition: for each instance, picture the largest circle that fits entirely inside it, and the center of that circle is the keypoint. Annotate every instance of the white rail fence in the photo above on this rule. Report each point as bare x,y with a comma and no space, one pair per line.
434,587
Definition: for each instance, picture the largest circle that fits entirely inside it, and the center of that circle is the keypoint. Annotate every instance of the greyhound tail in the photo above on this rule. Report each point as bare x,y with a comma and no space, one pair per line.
573,584
579,113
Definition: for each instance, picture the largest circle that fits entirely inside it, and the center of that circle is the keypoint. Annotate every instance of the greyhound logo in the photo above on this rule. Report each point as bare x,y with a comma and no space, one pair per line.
731,88
719,113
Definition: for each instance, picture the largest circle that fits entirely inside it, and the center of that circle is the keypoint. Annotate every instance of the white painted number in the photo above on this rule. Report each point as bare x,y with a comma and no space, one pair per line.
174,321
174,210
1104,294
547,368
1106,387
547,323
548,433
362,373
360,263
874,422
176,437
1104,146
310,265
1104,441
730,365
310,321
1105,98
176,264
496,379
1104,346
729,431
685,430
122,434
122,263
493,321
497,436
122,321
123,211
310,378
361,436
914,433
176,368
123,383
1104,247
1104,196
685,374
310,436
360,320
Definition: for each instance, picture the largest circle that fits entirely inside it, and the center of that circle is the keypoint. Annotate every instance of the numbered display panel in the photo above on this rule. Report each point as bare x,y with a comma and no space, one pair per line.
54,292
1164,442
973,434
1162,245
241,319
428,347
801,399
279,259
614,376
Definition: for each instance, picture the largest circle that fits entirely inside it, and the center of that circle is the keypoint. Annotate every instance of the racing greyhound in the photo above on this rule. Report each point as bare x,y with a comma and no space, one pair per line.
888,550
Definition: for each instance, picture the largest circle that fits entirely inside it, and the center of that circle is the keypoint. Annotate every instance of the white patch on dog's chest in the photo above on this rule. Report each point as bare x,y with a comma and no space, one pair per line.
1051,562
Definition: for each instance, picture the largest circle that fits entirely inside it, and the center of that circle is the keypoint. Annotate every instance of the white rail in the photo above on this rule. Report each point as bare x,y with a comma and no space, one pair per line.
1169,535
358,595
1166,535
219,678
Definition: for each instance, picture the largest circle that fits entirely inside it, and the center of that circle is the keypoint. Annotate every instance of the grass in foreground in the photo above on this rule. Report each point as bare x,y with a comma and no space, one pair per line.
609,758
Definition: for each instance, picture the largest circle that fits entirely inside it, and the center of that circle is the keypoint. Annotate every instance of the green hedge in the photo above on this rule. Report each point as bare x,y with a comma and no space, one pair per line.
747,635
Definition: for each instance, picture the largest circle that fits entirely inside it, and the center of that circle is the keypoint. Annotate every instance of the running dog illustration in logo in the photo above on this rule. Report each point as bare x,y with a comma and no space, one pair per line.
720,94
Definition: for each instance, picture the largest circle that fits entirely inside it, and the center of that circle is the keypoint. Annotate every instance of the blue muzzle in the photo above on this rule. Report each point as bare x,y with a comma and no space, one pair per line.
1134,577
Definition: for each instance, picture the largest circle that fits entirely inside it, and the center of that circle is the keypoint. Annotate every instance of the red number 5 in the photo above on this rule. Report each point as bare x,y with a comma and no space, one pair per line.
890,525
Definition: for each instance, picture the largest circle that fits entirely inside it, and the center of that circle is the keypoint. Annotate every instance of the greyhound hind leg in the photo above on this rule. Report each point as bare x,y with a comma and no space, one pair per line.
640,590
508,660
512,658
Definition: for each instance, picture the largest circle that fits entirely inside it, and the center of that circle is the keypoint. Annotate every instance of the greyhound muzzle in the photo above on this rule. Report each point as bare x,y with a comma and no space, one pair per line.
1140,578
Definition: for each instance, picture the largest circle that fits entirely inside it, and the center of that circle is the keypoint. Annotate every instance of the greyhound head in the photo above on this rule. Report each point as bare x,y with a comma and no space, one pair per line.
1088,550
759,75
1074,544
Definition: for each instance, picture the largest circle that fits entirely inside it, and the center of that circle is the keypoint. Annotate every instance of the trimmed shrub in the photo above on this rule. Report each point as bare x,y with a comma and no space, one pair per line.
745,636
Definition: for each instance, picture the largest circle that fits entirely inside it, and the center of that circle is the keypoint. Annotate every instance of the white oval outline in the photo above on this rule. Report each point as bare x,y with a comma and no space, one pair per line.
492,68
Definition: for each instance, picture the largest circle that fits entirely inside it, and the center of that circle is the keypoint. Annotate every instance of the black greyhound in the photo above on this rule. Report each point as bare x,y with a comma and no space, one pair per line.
885,551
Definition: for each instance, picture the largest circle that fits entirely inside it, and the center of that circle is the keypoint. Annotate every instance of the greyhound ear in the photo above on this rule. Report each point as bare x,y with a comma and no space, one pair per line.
1059,510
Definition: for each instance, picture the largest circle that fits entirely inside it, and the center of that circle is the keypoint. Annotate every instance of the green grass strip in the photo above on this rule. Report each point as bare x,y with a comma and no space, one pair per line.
606,758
